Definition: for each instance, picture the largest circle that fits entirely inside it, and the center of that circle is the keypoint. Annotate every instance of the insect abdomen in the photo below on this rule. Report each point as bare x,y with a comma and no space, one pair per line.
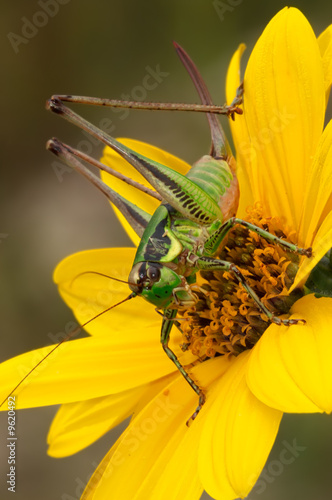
212,175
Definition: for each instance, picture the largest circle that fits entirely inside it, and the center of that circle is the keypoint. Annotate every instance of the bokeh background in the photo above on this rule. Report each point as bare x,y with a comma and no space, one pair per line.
103,48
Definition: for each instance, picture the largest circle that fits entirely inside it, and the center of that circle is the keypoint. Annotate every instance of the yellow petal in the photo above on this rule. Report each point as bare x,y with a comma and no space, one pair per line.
325,46
321,244
77,425
318,196
316,222
290,367
87,368
89,294
158,452
143,201
244,166
238,434
284,106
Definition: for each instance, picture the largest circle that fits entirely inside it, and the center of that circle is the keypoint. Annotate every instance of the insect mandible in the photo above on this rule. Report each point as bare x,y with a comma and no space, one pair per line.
196,212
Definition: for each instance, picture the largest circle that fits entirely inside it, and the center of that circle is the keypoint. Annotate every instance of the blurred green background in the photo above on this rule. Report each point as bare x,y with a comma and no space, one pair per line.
102,48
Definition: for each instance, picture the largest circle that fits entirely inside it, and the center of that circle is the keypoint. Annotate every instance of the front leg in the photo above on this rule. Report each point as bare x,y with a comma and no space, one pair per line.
169,315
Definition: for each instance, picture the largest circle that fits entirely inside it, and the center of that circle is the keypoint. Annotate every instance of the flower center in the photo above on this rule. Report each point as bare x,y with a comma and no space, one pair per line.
226,320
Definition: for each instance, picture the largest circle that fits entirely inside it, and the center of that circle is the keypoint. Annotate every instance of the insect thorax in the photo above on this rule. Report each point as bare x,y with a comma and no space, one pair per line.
168,235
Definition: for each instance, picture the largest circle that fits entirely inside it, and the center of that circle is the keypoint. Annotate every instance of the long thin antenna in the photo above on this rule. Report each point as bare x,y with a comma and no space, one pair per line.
101,274
70,335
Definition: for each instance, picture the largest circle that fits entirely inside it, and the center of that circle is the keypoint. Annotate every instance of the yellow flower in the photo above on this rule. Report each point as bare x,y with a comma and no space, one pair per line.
284,158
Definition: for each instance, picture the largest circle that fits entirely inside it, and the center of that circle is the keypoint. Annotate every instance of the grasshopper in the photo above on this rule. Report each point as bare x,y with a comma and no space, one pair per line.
196,211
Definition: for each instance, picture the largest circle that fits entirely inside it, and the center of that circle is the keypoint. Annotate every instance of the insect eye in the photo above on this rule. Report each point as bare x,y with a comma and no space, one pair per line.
153,273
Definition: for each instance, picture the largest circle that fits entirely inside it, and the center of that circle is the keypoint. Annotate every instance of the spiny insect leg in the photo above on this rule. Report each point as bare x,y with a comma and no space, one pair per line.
174,188
210,264
158,106
137,218
212,244
176,321
111,171
165,333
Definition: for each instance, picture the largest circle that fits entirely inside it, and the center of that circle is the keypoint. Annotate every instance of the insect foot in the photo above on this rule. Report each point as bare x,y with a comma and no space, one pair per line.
201,401
308,252
287,322
55,105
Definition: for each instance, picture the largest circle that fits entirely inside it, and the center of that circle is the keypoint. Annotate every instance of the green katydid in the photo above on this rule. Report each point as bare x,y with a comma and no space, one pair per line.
196,212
